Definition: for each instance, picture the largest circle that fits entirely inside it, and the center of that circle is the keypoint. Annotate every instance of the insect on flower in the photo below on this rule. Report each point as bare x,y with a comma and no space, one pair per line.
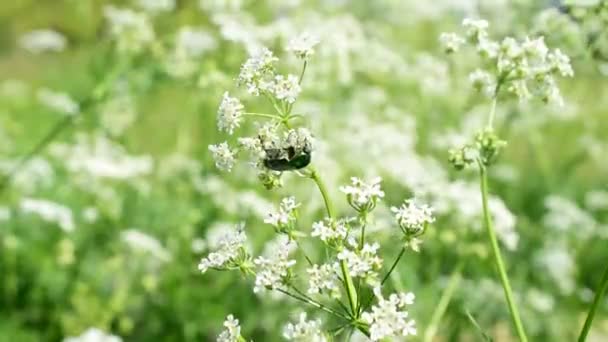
287,159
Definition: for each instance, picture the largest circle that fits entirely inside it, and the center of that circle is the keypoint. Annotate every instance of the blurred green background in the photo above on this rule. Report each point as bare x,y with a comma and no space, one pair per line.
133,172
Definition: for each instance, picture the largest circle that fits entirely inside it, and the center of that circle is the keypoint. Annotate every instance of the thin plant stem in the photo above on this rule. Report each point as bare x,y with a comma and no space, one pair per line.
303,71
304,253
393,266
349,286
313,303
264,115
504,279
596,301
492,113
444,301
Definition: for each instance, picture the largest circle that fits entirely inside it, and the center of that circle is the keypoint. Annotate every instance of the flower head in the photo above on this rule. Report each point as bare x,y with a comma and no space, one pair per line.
285,217
364,263
224,157
273,271
413,218
303,45
232,330
323,278
388,317
451,42
230,254
229,114
331,231
257,70
304,330
362,196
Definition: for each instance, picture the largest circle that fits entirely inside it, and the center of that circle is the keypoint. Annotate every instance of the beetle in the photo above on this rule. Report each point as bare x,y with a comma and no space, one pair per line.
287,159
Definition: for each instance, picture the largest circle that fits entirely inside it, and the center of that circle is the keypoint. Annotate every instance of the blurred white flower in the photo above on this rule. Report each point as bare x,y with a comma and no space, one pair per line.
39,41
49,211
94,335
451,42
140,241
231,332
304,330
257,70
286,88
388,318
303,45
58,101
131,30
156,6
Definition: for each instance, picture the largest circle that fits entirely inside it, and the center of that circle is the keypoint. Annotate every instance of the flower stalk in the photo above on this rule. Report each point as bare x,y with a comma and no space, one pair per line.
596,301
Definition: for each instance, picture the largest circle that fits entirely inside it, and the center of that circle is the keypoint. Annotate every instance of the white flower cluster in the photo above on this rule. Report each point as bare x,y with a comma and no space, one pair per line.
50,212
230,253
304,330
231,332
413,218
285,217
58,101
323,278
388,318
189,45
138,240
331,231
273,272
131,30
224,156
364,263
256,71
39,41
303,45
229,114
157,6
526,68
362,196
94,335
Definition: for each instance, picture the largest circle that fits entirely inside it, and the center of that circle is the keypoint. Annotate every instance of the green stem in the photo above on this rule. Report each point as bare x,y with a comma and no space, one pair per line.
492,112
393,266
596,301
264,115
312,303
349,286
497,256
444,301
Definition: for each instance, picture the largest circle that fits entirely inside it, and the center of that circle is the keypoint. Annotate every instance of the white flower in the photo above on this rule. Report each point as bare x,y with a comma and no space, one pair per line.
139,240
230,251
286,89
451,42
58,101
257,68
232,330
229,114
323,278
476,28
304,330
50,212
155,6
285,217
194,42
361,195
483,82
94,335
224,157
272,271
303,45
131,30
388,318
413,218
39,41
363,263
559,61
331,231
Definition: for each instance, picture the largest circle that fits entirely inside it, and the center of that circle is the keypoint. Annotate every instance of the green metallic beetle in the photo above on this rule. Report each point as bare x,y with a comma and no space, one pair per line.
287,159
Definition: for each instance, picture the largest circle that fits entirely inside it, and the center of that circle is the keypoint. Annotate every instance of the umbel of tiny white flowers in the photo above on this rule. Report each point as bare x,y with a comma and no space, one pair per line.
525,68
485,150
388,318
363,196
284,219
413,219
231,332
304,330
277,147
231,253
